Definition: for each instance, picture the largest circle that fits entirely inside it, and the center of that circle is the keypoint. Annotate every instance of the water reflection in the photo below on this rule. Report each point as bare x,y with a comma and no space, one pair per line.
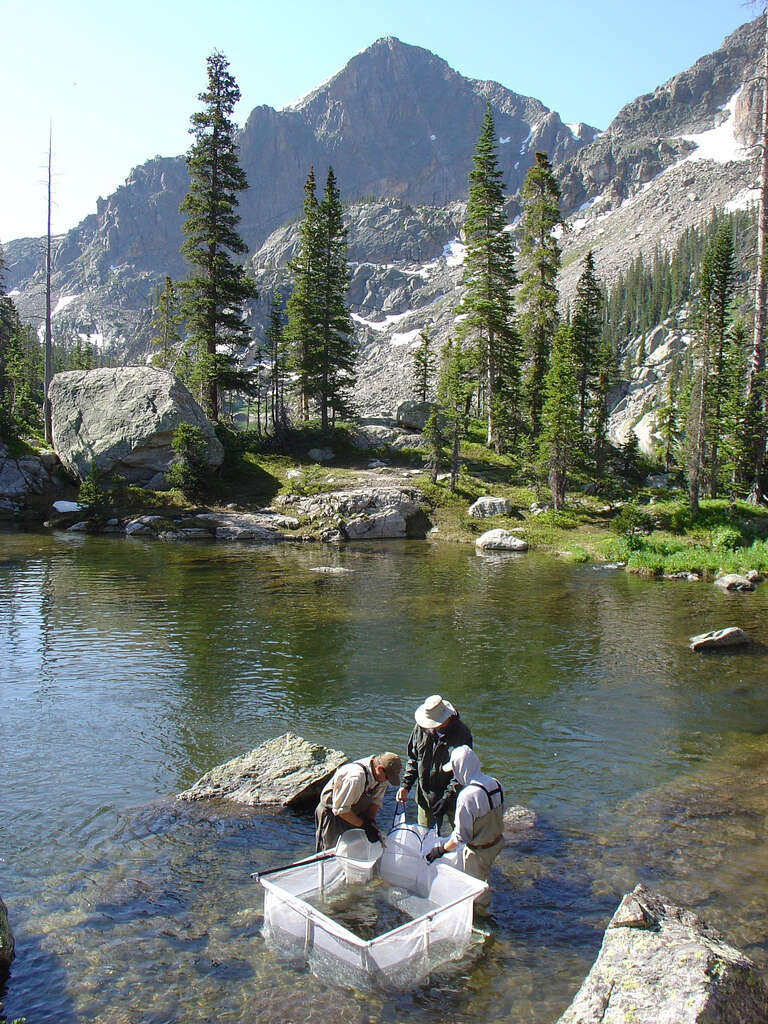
129,668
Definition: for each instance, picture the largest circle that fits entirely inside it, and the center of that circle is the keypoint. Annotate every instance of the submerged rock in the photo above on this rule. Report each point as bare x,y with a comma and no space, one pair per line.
519,819
500,540
6,941
732,636
733,581
287,771
660,964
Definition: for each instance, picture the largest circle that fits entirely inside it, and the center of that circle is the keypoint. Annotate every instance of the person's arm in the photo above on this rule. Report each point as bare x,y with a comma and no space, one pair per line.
462,831
348,788
411,770
462,737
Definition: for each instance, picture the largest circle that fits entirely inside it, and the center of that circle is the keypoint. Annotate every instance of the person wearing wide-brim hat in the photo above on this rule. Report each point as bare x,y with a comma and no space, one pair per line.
437,731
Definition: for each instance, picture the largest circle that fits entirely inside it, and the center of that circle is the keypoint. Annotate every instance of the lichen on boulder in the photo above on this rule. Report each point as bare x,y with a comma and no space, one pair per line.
287,771
661,964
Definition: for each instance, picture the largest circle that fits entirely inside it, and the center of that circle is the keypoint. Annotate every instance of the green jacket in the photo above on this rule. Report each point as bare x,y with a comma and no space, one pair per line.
428,751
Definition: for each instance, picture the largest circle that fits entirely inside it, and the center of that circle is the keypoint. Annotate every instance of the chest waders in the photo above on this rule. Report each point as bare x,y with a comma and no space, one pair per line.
487,841
329,826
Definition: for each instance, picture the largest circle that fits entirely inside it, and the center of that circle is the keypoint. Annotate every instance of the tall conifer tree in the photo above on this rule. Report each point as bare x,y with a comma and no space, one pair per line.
301,331
335,370
540,263
489,275
559,419
216,290
587,328
720,256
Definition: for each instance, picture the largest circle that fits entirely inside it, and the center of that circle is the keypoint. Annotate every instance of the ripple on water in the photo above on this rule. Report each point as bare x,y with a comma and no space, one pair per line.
131,669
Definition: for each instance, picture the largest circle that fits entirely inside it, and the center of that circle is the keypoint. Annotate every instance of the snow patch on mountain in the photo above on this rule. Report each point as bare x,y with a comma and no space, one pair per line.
454,253
742,200
64,301
380,325
719,144
405,338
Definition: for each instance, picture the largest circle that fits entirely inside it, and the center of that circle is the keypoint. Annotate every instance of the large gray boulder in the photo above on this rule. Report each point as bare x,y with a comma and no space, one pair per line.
28,478
287,771
500,540
413,415
486,506
366,513
6,941
660,964
122,420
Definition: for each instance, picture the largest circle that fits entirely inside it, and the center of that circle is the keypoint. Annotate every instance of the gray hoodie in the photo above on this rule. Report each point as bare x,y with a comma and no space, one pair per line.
472,801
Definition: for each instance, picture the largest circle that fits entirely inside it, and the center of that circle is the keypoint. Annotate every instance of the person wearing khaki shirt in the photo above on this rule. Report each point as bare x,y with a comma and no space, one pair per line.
353,796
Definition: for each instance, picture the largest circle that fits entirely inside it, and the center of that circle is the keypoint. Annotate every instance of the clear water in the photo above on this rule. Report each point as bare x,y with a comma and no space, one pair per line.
128,668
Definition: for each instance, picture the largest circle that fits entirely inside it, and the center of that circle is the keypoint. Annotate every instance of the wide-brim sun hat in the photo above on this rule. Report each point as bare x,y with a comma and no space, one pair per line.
434,712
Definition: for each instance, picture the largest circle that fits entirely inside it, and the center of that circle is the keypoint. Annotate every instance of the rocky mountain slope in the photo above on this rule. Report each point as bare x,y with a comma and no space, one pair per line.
399,127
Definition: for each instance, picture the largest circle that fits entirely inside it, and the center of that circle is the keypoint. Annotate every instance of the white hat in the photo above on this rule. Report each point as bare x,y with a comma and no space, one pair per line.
434,712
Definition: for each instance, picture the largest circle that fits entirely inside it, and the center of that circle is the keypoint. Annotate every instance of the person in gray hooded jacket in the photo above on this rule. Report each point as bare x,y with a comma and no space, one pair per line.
479,822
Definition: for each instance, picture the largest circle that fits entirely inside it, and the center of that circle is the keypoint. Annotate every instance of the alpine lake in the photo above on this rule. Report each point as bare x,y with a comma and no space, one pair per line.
129,668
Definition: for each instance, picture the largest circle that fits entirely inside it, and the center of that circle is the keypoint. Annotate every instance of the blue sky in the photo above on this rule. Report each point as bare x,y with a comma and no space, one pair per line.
119,81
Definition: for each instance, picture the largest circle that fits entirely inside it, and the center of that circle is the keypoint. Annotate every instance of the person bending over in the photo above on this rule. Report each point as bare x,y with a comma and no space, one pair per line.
353,796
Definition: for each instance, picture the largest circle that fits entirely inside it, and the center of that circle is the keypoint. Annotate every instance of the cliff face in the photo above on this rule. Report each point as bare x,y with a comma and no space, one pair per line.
399,126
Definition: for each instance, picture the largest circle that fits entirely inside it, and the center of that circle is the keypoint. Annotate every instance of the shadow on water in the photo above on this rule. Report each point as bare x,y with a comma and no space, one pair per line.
24,994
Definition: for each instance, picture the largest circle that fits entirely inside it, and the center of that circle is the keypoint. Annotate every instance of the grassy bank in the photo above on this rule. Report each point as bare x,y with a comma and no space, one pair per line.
653,533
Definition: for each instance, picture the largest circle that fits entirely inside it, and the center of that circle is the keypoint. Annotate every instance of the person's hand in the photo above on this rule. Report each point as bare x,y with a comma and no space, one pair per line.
438,807
372,833
402,795
435,852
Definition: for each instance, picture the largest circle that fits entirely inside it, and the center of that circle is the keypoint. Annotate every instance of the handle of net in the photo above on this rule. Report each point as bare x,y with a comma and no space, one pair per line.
295,864
401,804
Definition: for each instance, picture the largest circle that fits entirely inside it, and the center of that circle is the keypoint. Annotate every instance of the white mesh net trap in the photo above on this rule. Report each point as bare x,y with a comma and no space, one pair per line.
371,921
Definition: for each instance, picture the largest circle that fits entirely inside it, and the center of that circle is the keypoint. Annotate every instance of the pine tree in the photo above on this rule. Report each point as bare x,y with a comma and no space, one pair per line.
599,418
216,291
335,364
423,365
277,350
559,417
455,387
165,328
301,332
720,254
489,276
540,263
587,328
667,418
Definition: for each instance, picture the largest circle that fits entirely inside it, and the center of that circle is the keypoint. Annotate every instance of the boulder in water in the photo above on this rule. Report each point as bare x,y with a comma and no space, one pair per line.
660,964
731,636
500,540
734,581
6,941
287,771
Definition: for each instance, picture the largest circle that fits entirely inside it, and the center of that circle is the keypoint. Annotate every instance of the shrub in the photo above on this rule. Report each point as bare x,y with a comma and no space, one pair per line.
632,524
728,537
190,473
